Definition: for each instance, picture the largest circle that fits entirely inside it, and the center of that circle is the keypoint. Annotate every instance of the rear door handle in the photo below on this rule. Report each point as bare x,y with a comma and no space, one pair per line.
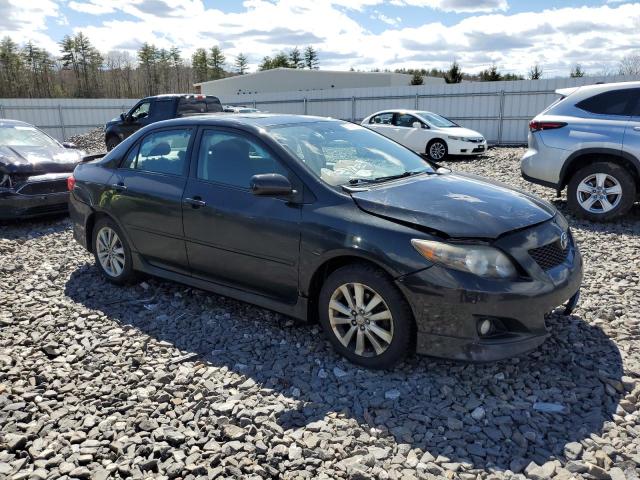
195,202
637,129
119,186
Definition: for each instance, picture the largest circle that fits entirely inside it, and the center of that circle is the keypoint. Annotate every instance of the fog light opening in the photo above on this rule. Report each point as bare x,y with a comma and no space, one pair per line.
485,327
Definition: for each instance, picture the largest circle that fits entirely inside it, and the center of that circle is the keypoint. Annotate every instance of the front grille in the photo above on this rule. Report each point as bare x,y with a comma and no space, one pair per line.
44,188
550,255
476,140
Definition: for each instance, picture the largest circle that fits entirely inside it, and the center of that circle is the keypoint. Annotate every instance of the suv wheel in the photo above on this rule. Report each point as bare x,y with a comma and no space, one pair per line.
601,191
112,252
437,150
365,317
112,142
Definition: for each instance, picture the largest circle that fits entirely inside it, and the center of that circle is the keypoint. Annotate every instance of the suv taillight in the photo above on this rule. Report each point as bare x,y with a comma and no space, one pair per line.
71,182
537,125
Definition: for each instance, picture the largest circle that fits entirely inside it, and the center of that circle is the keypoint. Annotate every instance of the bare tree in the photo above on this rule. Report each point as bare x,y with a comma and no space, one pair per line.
630,64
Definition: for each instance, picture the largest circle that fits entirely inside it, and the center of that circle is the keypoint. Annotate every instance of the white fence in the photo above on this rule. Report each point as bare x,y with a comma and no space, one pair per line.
499,110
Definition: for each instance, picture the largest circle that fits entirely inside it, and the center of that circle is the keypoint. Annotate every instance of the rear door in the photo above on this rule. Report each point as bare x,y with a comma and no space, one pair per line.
147,195
631,142
383,123
234,237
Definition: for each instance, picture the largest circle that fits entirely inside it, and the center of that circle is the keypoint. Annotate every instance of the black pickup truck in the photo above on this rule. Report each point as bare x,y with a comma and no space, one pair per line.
153,109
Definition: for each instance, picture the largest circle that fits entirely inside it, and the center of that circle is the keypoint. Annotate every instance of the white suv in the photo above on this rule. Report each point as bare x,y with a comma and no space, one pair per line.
426,133
589,141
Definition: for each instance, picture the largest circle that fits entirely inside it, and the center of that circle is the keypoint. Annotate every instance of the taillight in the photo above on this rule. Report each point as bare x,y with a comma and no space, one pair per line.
71,182
537,125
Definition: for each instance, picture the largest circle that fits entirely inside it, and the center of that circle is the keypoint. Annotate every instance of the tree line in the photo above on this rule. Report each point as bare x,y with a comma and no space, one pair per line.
80,70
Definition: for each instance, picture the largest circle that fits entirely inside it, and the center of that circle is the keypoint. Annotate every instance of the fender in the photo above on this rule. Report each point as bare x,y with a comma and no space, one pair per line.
596,151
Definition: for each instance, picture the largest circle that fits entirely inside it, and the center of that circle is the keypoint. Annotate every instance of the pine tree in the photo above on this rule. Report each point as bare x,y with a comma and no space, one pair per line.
310,58
175,60
417,79
266,64
199,65
241,63
295,59
216,62
453,75
535,72
11,69
491,74
281,60
148,57
577,71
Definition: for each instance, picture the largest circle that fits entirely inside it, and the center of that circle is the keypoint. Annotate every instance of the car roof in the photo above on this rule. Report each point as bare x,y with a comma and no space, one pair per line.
401,110
586,90
244,119
178,95
8,122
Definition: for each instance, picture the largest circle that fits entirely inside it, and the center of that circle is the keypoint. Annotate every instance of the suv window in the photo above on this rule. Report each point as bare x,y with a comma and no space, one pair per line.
614,102
162,109
198,104
382,118
404,120
161,152
233,159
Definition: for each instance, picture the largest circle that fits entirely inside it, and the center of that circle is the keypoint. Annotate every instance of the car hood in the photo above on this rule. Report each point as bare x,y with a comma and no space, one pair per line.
38,160
462,132
456,205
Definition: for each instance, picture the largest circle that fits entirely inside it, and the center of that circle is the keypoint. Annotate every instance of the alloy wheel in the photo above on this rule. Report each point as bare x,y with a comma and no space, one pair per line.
599,193
360,319
437,150
110,251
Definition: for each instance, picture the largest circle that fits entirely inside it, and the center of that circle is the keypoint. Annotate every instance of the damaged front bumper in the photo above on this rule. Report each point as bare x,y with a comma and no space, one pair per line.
34,196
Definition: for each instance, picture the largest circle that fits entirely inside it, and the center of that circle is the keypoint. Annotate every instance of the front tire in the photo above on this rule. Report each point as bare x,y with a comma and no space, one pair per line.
601,191
365,316
437,150
112,252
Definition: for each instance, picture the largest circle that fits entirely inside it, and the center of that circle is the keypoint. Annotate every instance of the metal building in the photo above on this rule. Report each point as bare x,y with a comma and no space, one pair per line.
292,80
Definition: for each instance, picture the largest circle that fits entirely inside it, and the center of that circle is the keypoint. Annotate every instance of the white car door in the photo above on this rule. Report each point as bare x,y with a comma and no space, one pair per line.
383,123
411,137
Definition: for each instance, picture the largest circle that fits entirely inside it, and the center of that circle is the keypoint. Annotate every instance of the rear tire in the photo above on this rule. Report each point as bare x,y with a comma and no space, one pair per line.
112,142
112,252
365,316
601,192
437,150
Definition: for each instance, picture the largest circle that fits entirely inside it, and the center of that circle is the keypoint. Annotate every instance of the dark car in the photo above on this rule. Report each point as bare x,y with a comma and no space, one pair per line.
153,109
320,218
33,171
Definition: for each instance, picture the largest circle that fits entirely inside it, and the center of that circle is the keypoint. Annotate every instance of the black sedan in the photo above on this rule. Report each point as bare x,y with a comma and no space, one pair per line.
323,219
33,171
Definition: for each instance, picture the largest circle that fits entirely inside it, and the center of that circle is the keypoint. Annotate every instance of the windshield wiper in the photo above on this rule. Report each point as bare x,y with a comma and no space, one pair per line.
355,181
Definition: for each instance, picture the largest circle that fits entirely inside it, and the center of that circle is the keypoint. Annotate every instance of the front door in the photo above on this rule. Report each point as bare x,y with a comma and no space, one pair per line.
408,135
234,237
147,196
138,117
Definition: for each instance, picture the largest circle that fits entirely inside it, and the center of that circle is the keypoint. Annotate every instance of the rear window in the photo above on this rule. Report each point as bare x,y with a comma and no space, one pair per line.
615,102
198,104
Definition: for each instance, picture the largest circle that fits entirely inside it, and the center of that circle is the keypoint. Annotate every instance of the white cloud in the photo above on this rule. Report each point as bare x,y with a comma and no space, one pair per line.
92,8
27,20
596,37
460,6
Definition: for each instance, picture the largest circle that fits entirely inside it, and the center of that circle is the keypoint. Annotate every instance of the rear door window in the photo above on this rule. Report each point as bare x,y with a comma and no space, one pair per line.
198,104
161,152
614,102
382,118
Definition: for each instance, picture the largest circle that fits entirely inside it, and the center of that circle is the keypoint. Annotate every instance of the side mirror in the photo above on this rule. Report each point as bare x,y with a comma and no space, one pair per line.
416,125
270,185
69,145
443,170
123,116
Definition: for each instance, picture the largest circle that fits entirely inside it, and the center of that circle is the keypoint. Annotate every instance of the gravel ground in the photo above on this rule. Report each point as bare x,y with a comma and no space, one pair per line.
160,380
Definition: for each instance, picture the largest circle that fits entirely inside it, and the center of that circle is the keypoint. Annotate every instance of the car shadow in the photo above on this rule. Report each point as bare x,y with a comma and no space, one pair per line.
628,224
499,416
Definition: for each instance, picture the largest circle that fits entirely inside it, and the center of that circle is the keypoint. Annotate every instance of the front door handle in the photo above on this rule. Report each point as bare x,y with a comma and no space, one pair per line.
119,186
195,202
637,129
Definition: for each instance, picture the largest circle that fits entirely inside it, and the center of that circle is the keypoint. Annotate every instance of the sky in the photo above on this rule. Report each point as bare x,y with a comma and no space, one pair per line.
360,34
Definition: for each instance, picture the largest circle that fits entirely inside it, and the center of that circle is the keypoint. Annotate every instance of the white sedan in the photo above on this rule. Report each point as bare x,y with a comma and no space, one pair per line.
426,133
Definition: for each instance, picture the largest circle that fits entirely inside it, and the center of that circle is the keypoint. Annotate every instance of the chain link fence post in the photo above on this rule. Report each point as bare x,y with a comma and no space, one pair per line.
64,134
353,109
1,111
501,117
304,105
